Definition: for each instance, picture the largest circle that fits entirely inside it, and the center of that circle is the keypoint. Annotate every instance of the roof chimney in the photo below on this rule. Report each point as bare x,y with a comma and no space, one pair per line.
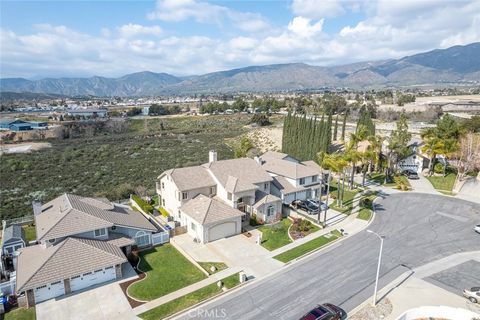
258,160
212,156
37,207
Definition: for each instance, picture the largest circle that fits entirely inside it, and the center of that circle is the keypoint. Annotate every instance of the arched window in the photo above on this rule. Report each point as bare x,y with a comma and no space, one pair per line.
142,239
270,211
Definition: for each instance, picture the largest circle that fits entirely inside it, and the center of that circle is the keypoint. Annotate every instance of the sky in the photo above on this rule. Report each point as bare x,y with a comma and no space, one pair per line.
111,38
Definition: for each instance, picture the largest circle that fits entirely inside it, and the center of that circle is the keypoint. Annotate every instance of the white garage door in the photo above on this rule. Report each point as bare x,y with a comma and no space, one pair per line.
49,291
222,230
92,278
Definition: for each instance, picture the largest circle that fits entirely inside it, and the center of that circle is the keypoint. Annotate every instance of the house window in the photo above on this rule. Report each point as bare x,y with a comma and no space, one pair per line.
271,211
51,240
193,226
163,202
314,178
114,227
229,196
302,181
163,185
184,195
99,233
265,186
142,239
179,214
212,190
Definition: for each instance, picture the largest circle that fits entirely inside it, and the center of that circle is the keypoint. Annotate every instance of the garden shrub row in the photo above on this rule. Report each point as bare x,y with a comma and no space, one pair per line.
146,207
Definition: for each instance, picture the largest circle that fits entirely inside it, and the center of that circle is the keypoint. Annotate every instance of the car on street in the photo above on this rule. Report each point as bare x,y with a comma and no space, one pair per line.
473,294
477,228
326,311
304,205
410,174
323,206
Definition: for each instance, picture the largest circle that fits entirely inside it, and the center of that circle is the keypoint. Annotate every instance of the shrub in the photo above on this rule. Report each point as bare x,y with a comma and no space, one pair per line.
254,222
164,212
146,207
438,168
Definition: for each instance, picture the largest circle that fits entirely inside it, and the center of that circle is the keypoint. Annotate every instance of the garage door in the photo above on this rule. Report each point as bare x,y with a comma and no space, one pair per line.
222,230
92,278
49,291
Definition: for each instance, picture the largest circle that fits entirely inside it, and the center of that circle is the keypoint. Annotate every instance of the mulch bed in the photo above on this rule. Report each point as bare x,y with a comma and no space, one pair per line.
124,285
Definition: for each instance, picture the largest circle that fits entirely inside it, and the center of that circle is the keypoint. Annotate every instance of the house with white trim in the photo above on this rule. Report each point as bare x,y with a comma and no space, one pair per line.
197,197
81,242
292,179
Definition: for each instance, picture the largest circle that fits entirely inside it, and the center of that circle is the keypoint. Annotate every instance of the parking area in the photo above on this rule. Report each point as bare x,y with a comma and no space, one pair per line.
333,216
457,278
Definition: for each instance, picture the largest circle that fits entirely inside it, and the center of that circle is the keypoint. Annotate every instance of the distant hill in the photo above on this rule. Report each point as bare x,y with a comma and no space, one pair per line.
455,65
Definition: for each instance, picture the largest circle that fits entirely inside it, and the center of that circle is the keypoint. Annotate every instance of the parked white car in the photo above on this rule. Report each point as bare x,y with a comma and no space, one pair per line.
473,294
477,228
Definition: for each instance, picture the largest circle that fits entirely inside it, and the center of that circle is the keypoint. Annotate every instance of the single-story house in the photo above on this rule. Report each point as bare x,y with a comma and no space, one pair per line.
13,239
209,218
21,125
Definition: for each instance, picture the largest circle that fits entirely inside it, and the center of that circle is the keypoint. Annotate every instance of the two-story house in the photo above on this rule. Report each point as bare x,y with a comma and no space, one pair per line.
212,199
292,179
81,242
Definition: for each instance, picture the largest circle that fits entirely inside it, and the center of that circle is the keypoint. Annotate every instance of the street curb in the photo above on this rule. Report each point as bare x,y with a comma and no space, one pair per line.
204,301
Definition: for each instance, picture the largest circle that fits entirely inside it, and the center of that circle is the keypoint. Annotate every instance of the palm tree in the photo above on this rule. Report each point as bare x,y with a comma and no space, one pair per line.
433,146
336,163
376,143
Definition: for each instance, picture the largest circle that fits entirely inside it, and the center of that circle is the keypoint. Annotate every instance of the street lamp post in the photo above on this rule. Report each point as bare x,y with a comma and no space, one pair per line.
374,302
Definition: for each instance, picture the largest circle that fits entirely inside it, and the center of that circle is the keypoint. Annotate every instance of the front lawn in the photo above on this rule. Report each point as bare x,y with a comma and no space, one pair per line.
443,183
377,177
347,198
308,246
219,266
366,207
189,300
21,314
167,271
364,214
30,233
276,235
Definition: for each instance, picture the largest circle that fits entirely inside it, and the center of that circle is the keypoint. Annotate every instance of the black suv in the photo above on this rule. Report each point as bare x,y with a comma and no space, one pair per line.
326,311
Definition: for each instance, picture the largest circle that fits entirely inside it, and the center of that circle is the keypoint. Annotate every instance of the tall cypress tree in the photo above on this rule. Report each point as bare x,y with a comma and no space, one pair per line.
343,126
335,129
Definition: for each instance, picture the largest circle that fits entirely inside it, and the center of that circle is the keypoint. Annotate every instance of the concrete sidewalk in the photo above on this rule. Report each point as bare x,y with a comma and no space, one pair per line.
186,290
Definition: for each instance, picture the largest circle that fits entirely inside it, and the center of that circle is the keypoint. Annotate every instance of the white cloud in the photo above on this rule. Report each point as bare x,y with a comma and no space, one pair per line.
386,32
131,30
317,9
204,12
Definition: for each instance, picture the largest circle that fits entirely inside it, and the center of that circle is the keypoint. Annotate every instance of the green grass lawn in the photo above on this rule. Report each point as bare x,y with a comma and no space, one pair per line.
347,199
378,177
364,214
443,183
307,247
207,265
167,271
21,314
189,300
30,233
275,236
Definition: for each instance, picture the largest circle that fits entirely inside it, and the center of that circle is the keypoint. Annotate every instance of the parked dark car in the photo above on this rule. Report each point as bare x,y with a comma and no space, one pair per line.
410,174
325,311
304,205
317,203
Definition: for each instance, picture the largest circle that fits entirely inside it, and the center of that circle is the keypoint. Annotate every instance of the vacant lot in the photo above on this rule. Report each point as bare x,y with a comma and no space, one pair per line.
97,161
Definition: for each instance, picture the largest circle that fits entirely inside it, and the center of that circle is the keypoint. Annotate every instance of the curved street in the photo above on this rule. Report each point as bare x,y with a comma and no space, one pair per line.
419,228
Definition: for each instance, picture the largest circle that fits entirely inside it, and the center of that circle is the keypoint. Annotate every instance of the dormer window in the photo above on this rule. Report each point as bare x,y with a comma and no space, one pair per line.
100,233
184,195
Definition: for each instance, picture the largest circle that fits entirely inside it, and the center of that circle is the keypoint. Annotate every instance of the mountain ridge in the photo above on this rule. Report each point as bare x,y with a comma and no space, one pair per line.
457,64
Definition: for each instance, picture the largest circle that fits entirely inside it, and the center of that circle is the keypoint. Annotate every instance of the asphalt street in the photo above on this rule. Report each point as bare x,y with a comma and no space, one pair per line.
419,228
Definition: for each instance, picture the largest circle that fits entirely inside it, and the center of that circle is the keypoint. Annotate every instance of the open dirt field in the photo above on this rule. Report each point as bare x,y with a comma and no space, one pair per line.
422,103
23,147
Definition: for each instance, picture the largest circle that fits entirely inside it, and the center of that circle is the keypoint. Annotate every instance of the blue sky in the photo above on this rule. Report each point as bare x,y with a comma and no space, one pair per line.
182,37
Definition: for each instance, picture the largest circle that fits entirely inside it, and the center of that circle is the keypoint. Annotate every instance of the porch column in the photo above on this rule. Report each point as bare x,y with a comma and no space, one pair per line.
66,285
118,271
30,298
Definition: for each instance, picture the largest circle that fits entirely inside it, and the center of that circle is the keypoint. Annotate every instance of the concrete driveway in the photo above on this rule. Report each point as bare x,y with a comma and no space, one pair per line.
104,302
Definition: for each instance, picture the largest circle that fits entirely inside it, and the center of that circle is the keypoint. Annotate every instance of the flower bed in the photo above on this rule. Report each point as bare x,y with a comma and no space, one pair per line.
301,228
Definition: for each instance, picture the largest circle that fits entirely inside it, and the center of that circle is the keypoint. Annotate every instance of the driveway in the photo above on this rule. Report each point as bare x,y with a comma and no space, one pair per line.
420,228
457,278
422,185
102,302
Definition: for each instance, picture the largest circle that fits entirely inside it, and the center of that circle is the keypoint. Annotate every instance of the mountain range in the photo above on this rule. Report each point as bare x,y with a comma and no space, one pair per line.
454,65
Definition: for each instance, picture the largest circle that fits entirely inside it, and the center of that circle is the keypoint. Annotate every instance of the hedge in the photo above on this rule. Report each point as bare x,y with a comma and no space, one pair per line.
142,204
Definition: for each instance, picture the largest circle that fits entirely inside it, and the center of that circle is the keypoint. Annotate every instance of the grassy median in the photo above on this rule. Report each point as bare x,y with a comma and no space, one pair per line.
308,247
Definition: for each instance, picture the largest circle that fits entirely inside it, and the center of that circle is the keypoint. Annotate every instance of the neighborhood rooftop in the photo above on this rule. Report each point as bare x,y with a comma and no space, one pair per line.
207,210
71,257
71,214
190,178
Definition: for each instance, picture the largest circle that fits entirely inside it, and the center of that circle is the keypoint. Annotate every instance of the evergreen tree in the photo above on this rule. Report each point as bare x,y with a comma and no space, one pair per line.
343,126
335,129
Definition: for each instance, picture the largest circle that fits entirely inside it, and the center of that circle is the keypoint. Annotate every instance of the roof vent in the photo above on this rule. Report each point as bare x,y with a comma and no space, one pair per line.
212,156
37,207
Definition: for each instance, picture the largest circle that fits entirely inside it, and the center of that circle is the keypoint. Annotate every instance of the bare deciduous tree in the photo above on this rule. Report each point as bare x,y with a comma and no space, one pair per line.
468,155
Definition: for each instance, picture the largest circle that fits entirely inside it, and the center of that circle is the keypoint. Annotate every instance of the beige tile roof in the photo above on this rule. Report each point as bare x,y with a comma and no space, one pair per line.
238,185
37,265
264,198
312,164
119,239
246,170
206,210
284,186
70,214
288,168
274,155
189,178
